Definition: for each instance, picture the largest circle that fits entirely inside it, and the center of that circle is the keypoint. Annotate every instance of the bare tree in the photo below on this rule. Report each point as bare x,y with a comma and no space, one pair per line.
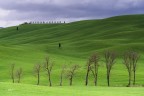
110,61
62,73
37,69
48,67
94,59
19,74
87,73
12,72
128,65
71,73
134,56
130,61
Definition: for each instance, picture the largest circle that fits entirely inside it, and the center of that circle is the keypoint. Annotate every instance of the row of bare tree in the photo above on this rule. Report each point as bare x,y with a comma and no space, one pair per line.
49,22
44,22
16,74
129,60
48,68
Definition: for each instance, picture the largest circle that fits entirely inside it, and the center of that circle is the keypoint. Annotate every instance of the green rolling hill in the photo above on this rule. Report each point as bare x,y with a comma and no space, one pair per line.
33,42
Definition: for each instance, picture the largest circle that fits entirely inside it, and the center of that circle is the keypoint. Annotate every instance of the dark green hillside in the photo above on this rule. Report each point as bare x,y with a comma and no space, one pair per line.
32,42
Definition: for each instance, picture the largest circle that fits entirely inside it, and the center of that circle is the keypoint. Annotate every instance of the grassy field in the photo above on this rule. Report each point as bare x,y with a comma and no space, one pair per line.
33,42
31,90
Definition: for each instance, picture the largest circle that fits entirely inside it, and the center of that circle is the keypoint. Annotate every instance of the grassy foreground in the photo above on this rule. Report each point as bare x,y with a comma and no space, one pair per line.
7,89
32,43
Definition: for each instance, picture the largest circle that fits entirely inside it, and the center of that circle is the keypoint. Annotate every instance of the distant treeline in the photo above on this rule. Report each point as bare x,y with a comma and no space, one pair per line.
45,22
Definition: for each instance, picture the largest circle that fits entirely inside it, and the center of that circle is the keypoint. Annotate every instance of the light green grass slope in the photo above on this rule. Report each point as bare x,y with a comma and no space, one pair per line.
30,90
32,43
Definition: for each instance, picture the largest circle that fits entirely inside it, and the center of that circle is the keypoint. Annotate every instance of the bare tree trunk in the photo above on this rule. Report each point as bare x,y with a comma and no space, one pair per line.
95,82
96,79
61,79
134,78
96,70
50,81
19,80
49,77
87,75
71,81
13,80
12,73
61,75
38,79
108,79
129,84
13,77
